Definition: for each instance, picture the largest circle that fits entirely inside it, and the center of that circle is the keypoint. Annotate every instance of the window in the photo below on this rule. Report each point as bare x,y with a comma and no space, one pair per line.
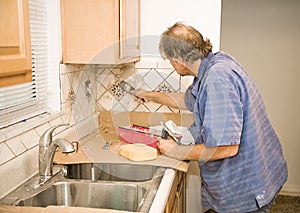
24,101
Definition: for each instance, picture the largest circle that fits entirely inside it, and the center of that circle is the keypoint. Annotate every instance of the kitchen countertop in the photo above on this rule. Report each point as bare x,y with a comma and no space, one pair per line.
91,150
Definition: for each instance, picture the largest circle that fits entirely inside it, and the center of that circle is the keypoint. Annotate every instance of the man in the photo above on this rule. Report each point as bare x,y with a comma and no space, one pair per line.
240,156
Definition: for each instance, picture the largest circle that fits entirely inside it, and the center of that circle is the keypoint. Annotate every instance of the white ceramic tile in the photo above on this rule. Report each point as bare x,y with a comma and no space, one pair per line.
144,72
106,79
16,145
128,102
30,138
186,81
153,79
86,127
116,70
2,135
148,62
5,154
117,108
100,90
67,118
164,109
106,101
77,113
151,106
165,73
174,81
164,64
88,107
56,121
102,69
15,129
74,79
69,135
41,129
19,169
65,87
142,108
62,68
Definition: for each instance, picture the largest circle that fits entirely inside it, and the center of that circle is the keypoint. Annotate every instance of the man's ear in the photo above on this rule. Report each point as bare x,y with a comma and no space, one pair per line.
180,63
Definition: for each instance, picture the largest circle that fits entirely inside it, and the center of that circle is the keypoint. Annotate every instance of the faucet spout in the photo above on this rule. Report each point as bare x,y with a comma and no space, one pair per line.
44,143
46,161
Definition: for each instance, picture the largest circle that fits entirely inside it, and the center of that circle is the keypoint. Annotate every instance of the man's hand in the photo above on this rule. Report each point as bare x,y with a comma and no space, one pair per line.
170,148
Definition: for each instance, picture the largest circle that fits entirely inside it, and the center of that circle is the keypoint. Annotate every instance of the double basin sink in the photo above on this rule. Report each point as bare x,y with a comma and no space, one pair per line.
127,187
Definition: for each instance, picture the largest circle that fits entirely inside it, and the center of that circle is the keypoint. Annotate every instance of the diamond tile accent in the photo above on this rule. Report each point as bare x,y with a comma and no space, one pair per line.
117,91
164,87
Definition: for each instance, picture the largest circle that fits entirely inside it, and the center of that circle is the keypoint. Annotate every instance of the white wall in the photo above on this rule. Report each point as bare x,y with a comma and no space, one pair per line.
265,37
158,15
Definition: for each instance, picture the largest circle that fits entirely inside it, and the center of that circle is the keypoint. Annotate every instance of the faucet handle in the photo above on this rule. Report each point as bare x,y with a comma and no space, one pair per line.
46,137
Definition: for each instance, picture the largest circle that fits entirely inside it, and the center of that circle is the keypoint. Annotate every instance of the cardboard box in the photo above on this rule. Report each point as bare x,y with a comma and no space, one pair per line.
91,147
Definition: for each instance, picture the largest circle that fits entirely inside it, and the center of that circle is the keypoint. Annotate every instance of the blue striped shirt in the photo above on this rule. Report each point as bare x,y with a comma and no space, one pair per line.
228,109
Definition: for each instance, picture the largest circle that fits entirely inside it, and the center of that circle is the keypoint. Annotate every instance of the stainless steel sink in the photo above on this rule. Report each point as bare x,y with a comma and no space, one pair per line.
112,172
111,186
119,196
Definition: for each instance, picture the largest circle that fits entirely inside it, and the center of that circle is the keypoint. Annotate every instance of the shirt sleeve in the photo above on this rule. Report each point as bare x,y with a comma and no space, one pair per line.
223,114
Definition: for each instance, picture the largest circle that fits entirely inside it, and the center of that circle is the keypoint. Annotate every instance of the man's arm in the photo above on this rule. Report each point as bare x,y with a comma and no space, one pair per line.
174,100
198,152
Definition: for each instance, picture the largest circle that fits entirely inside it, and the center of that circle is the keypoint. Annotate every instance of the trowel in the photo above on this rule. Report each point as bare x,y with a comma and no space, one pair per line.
129,89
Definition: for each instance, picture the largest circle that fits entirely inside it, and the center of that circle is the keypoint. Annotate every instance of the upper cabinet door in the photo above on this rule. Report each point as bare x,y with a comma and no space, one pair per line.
129,29
92,31
15,45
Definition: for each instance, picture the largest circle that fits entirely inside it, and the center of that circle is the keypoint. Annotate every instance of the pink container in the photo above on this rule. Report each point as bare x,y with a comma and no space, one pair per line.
136,134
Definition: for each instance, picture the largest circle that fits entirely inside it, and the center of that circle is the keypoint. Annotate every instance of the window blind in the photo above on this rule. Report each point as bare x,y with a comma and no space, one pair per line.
20,102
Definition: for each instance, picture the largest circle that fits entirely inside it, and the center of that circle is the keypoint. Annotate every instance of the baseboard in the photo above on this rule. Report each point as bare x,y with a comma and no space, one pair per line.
290,189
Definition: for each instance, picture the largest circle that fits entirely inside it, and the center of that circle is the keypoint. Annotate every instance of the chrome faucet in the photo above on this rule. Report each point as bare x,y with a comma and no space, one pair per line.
47,148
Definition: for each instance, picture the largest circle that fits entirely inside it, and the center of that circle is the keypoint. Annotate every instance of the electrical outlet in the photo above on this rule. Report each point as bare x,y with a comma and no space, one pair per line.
88,88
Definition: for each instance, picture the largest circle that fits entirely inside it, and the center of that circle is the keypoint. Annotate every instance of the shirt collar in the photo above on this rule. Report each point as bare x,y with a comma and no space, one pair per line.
203,67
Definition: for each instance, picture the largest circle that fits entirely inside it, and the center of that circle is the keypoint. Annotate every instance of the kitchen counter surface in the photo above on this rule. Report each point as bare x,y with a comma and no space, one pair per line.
91,150
91,146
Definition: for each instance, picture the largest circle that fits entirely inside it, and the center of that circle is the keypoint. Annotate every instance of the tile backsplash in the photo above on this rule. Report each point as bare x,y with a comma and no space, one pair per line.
85,89
152,75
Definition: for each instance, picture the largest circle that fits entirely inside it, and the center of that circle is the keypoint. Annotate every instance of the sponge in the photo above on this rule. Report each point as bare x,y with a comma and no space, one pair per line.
138,152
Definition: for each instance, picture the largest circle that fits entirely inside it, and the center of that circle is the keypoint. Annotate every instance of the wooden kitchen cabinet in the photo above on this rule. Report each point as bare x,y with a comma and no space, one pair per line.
176,200
100,31
15,45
